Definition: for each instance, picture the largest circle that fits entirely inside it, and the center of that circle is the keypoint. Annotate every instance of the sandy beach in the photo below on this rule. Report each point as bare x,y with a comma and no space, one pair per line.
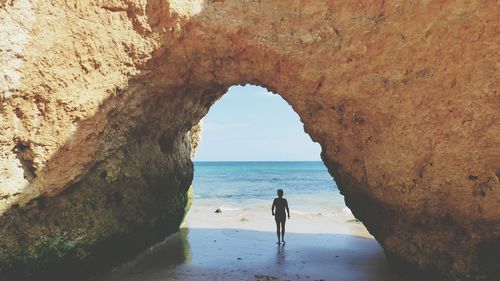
202,250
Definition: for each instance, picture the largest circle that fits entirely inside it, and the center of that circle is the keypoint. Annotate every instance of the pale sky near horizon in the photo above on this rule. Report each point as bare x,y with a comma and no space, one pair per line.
251,124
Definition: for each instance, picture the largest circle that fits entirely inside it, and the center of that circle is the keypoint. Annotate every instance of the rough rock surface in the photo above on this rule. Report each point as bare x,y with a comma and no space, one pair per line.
98,97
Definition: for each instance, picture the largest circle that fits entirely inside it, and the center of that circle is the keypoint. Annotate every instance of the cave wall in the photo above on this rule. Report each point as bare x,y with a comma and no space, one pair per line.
98,98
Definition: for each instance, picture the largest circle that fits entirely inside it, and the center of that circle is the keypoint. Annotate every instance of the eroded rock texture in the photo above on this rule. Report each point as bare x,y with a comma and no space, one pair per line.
98,97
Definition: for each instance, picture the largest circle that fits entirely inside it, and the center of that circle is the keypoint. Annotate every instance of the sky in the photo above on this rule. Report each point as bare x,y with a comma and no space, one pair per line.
251,124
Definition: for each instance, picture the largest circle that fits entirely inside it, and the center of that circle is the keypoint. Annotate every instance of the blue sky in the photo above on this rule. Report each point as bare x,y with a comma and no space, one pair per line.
250,124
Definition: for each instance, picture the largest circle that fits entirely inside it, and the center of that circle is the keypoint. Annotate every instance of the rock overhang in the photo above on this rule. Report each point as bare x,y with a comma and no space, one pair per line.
401,96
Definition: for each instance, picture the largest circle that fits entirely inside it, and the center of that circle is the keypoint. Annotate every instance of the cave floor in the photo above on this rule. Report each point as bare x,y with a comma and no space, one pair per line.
237,254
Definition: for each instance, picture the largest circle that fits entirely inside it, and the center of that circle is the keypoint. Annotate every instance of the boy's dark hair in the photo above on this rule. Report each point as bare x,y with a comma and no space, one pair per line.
280,192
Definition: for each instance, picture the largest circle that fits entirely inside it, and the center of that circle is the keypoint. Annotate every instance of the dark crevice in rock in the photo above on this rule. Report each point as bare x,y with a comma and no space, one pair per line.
25,155
472,177
103,175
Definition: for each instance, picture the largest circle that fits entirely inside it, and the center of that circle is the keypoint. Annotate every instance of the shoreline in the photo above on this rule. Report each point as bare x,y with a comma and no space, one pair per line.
341,222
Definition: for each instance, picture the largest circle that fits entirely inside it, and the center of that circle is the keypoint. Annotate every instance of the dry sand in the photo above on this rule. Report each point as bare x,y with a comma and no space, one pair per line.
204,251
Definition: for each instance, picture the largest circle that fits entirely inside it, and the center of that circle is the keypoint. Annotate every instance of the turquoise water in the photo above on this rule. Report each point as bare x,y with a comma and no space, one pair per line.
308,186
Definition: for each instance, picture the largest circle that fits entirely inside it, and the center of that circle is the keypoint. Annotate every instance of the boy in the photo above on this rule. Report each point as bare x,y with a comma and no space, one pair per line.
278,209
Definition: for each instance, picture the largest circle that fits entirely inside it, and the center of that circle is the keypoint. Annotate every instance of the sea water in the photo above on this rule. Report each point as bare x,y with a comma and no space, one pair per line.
244,192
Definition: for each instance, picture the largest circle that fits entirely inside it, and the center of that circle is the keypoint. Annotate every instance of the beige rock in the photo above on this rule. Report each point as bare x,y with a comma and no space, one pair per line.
401,95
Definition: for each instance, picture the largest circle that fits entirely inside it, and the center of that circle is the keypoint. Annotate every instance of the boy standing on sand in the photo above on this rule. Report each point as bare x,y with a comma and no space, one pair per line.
278,209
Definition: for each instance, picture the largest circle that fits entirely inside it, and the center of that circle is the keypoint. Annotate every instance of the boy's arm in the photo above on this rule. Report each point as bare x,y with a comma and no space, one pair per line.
272,207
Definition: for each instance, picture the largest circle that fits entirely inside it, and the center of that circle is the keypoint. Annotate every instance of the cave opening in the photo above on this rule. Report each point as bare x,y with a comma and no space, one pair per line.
253,143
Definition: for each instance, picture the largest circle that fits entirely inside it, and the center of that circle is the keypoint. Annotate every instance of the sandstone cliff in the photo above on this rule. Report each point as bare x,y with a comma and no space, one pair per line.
98,97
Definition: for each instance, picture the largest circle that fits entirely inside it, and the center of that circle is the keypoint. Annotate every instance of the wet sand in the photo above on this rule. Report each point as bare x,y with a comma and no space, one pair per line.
237,254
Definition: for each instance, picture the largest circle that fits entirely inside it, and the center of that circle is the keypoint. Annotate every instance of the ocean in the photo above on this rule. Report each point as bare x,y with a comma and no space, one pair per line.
244,192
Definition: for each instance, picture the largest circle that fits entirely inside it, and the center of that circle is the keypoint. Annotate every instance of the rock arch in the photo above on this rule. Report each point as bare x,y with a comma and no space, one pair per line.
98,99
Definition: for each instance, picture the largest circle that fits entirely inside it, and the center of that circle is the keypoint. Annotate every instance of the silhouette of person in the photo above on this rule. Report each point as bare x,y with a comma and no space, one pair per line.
278,209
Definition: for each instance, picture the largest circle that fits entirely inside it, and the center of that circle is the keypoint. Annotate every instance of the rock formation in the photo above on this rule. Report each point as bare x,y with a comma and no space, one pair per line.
98,98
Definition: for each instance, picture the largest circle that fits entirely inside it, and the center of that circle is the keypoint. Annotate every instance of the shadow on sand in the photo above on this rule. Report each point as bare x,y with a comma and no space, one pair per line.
235,254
